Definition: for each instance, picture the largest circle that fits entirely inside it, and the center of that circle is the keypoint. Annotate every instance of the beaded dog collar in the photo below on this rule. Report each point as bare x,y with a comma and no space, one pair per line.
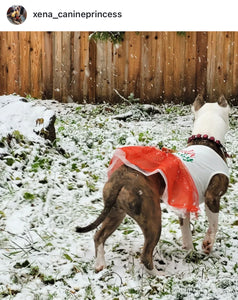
211,138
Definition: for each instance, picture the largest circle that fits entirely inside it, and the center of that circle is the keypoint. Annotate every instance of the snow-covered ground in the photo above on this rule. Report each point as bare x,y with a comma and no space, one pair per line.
45,191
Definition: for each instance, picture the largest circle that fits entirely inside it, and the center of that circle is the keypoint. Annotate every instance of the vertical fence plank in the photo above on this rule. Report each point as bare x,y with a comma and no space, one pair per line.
92,65
24,63
57,74
47,65
147,68
36,64
152,87
168,66
201,62
160,62
157,92
179,41
103,67
100,67
121,63
109,71
219,67
134,64
116,72
189,86
65,66
3,62
12,62
211,63
84,65
228,58
75,67
234,82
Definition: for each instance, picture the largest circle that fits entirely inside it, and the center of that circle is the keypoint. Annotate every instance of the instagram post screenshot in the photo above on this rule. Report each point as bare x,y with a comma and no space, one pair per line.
118,150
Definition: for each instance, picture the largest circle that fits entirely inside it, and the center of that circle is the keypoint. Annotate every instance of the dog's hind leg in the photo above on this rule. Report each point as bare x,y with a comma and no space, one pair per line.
186,232
150,225
109,225
147,254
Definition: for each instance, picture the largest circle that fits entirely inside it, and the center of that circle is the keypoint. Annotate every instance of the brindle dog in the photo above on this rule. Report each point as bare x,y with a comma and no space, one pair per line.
130,192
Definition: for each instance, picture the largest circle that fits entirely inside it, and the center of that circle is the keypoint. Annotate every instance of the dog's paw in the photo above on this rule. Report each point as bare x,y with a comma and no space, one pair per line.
207,246
155,272
99,268
188,247
100,264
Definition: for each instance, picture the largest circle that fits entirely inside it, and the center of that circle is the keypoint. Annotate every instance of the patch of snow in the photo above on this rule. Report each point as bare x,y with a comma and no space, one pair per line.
45,192
15,224
22,116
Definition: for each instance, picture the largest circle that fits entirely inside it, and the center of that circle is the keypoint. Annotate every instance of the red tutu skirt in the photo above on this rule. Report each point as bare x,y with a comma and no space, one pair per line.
180,192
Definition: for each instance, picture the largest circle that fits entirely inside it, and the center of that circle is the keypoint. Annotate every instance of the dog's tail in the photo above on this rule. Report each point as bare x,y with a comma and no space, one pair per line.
96,223
109,200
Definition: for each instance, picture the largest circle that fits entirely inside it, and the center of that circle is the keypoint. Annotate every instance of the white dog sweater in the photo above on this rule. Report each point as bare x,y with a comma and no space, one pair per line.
203,163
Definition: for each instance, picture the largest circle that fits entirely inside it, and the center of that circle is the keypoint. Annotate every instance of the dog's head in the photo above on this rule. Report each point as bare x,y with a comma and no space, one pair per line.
211,118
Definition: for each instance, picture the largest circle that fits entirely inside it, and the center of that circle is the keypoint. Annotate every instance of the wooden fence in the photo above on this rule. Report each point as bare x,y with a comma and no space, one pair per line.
154,66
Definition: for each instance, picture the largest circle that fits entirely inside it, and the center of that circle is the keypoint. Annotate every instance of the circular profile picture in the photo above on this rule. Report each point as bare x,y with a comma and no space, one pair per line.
16,14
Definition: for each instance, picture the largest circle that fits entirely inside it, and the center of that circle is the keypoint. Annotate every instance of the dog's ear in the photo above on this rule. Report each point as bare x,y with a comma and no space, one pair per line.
222,101
198,103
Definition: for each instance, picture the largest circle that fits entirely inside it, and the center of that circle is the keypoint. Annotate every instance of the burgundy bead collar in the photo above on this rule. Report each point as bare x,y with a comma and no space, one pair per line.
211,138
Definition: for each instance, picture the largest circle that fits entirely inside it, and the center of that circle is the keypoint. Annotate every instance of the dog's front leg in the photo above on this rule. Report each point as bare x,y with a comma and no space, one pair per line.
217,187
212,230
186,232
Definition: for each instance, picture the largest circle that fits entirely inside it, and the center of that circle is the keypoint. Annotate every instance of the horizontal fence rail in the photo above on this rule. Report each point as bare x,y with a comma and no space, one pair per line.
152,66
